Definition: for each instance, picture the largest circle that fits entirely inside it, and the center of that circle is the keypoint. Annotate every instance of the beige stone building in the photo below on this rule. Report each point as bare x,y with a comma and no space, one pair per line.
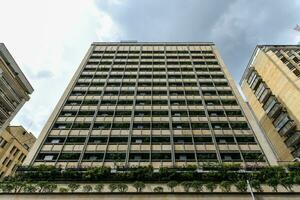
15,143
160,104
14,88
271,84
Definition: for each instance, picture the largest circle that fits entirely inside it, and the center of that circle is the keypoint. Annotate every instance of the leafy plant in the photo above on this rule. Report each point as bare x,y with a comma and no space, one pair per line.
63,190
73,187
122,187
186,185
6,187
225,186
112,187
99,187
172,185
30,188
256,185
50,187
297,180
158,189
42,185
139,186
211,186
273,182
241,186
287,183
197,186
87,188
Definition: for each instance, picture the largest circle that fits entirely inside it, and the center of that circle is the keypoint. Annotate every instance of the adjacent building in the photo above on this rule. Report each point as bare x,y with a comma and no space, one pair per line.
15,143
271,84
160,104
14,88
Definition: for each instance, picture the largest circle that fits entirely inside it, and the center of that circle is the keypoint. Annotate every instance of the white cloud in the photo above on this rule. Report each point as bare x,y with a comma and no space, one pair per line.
48,39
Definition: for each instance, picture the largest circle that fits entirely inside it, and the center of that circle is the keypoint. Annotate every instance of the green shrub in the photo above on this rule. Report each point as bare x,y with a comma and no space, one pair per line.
30,188
211,186
197,186
139,186
63,190
287,183
225,186
241,186
73,187
158,189
122,187
112,187
172,185
99,187
87,188
186,185
256,185
273,182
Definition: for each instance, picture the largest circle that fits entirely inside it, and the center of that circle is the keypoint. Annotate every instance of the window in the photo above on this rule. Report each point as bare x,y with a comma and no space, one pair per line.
48,157
281,120
161,156
75,140
115,156
269,104
69,156
207,156
93,156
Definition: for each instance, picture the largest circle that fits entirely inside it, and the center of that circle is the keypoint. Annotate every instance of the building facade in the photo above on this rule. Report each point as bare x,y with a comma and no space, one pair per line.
15,143
14,88
160,104
271,84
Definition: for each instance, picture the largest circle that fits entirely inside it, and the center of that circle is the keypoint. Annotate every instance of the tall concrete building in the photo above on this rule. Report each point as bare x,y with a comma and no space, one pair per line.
15,143
271,84
160,104
14,88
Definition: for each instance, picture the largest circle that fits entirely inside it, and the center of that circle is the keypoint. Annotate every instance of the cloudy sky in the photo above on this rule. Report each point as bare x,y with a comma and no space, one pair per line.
48,39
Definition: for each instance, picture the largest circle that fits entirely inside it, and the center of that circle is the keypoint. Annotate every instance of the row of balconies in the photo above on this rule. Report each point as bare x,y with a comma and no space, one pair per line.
145,107
167,133
149,119
97,80
126,88
152,73
155,97
153,147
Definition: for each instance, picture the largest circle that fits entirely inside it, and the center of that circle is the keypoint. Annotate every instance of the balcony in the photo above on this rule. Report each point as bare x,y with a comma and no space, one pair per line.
275,111
293,140
287,128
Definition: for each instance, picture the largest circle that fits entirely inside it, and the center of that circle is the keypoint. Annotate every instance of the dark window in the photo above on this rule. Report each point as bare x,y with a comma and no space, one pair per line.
69,156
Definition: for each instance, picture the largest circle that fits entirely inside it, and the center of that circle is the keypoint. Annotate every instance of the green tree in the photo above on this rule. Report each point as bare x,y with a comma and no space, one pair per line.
122,187
99,187
241,186
211,186
197,186
256,185
186,185
112,187
50,187
73,187
225,186
139,186
297,180
6,186
42,185
87,188
172,185
30,188
158,189
273,182
287,183
63,190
